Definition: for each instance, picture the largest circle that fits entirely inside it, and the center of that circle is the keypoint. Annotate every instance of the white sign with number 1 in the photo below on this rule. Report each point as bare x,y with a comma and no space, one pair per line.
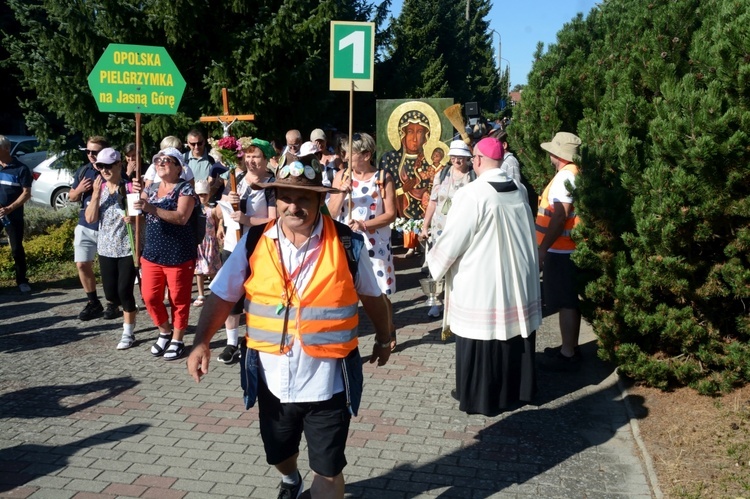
352,55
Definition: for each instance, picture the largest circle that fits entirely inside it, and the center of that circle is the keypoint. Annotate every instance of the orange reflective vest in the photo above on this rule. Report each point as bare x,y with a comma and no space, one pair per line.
323,319
544,217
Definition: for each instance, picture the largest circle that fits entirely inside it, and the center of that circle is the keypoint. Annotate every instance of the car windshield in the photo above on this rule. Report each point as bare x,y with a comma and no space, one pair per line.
23,147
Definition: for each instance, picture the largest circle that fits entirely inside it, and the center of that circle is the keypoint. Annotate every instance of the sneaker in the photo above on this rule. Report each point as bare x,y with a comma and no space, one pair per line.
92,310
559,362
24,288
288,491
229,355
435,311
111,312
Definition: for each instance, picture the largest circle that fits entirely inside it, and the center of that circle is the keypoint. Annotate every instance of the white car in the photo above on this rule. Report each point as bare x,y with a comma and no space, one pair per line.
51,183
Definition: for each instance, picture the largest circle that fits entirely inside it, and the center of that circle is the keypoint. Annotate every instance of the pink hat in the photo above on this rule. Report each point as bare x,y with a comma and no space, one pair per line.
491,148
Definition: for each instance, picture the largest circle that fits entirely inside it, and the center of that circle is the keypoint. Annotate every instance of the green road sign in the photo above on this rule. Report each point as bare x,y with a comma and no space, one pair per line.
136,79
352,55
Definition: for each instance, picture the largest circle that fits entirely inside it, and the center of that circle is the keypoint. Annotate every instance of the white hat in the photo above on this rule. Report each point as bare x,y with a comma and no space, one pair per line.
459,148
317,134
107,156
172,153
201,187
307,149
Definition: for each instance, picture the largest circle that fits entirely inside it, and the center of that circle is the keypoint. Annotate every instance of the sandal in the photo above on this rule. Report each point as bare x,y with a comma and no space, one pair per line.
394,343
158,351
126,341
198,301
174,350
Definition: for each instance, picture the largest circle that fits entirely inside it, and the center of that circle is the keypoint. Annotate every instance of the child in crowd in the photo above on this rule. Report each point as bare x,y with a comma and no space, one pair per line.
208,262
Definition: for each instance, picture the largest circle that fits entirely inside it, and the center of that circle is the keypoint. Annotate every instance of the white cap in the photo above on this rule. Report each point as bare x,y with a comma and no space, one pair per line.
459,148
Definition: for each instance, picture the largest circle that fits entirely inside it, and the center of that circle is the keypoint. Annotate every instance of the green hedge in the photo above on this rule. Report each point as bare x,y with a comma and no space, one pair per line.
54,247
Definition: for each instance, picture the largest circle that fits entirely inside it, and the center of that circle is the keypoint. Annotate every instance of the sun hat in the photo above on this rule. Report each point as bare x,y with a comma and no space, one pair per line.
172,153
564,145
308,149
317,134
296,173
201,187
459,148
265,147
107,156
490,148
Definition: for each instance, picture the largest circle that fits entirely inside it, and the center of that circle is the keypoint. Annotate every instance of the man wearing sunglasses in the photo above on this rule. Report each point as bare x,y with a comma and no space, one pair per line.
86,234
198,158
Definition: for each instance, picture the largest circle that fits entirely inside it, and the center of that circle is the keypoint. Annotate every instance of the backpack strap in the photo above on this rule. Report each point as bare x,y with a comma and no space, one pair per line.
352,243
254,234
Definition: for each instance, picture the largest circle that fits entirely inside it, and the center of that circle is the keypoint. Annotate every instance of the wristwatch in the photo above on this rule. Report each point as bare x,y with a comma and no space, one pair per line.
384,344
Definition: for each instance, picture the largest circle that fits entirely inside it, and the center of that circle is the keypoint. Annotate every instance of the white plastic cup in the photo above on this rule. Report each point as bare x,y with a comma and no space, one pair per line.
133,198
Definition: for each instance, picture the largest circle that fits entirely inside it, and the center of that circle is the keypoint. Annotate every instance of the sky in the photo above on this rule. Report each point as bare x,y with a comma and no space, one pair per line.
521,24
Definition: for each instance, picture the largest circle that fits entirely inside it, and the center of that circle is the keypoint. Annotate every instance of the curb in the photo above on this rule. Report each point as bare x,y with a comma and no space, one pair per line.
648,462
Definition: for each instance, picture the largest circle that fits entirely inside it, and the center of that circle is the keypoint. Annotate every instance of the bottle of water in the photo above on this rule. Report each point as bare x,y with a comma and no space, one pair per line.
5,221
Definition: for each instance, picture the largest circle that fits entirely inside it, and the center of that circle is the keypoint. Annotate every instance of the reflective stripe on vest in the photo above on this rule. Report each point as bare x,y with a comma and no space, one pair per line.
544,216
324,319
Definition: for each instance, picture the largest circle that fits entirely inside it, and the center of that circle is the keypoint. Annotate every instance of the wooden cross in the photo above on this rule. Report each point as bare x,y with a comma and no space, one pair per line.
227,120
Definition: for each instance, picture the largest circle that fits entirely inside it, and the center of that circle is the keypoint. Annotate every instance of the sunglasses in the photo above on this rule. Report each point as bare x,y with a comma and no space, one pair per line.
91,152
164,160
103,166
195,144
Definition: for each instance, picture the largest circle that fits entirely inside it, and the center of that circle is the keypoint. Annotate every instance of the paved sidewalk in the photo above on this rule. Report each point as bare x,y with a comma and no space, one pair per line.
80,419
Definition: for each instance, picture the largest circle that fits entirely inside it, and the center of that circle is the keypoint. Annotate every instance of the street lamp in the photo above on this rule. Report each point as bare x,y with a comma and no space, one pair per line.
499,49
508,63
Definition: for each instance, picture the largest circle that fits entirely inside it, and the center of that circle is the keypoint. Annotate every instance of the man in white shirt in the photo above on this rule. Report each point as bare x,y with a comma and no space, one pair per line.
301,358
554,222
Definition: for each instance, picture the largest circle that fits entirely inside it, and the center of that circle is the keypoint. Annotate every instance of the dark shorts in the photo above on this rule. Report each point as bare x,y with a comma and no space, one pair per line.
325,424
559,284
238,307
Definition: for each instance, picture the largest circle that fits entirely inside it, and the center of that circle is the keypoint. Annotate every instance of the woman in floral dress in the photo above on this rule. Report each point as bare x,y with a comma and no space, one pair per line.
373,210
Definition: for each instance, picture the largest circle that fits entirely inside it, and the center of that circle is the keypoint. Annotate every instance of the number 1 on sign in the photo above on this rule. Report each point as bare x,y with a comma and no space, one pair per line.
357,40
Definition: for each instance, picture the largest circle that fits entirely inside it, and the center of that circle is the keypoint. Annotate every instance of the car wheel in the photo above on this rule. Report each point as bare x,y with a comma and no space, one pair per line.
60,198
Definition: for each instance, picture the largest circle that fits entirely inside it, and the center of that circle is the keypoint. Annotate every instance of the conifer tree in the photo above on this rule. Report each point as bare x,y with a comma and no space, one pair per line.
659,92
271,54
434,52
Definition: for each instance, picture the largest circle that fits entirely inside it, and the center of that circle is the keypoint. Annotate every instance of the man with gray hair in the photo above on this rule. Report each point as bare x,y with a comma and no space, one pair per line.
15,190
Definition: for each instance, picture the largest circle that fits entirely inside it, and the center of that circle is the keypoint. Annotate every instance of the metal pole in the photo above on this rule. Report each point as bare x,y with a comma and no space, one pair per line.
467,9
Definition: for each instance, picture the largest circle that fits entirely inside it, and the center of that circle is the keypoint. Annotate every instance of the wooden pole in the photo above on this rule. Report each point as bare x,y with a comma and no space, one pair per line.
137,249
233,188
349,165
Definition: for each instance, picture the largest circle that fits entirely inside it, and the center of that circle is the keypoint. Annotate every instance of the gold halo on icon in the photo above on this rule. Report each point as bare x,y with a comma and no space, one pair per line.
432,116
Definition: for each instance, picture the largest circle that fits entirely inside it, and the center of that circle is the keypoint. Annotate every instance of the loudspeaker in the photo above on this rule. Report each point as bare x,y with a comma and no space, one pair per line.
472,109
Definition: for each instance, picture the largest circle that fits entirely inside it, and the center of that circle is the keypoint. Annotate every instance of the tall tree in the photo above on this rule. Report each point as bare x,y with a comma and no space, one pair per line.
272,54
658,91
435,52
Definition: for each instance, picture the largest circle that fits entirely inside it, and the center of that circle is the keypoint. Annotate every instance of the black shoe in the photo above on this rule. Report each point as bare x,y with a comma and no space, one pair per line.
454,394
229,355
92,310
291,491
111,312
555,351
561,363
